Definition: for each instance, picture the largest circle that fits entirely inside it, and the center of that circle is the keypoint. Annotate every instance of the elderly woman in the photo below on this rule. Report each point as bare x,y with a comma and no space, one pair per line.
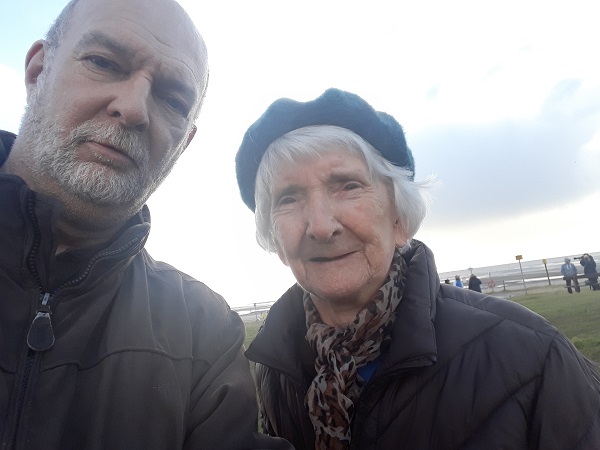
368,350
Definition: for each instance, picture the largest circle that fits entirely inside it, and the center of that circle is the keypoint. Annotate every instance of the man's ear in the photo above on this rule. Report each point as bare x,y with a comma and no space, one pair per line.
34,64
190,136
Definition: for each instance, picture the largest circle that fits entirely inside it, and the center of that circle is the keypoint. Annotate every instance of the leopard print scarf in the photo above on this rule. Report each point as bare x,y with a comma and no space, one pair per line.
334,391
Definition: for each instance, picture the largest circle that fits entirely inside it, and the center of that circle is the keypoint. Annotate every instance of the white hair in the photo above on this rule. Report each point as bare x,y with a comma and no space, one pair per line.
411,198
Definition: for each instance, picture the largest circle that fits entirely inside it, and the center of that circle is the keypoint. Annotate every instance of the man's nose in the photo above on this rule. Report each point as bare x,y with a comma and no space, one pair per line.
322,223
130,103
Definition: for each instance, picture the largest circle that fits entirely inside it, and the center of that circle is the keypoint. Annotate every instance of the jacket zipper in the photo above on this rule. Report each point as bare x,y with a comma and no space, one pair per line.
41,335
31,354
29,363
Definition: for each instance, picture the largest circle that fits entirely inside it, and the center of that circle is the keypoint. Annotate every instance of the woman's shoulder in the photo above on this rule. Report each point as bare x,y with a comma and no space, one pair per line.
480,315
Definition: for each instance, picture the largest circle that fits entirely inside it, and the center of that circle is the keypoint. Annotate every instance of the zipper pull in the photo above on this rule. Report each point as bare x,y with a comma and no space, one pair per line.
41,335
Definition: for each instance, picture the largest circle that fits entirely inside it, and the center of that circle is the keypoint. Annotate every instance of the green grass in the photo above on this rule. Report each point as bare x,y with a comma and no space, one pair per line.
576,315
252,328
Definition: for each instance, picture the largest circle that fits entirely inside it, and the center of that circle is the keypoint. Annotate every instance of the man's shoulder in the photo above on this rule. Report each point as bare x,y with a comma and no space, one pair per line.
475,326
7,138
6,141
178,299
177,281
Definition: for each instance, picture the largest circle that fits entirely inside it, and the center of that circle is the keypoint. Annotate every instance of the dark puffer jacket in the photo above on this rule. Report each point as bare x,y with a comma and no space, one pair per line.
463,371
144,356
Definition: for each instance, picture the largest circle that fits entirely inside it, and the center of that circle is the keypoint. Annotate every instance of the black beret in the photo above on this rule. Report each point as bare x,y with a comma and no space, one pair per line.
333,107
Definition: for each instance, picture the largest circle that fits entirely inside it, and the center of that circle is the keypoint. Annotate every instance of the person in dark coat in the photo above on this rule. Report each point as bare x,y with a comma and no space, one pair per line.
474,283
589,269
368,350
102,347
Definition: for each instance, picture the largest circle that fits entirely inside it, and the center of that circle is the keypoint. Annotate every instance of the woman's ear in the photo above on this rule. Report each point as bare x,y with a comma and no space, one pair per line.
34,64
400,234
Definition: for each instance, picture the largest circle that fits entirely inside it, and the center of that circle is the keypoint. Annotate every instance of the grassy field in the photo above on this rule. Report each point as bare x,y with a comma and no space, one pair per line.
576,315
252,328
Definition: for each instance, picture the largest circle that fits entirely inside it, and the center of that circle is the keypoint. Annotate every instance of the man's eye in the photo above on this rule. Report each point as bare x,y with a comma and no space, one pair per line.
178,105
99,62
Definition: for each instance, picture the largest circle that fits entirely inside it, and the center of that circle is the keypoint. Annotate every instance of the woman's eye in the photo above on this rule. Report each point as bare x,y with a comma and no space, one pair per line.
286,200
283,202
351,186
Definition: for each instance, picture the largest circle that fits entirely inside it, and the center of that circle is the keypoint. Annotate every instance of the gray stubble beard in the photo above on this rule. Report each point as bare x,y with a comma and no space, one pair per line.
95,182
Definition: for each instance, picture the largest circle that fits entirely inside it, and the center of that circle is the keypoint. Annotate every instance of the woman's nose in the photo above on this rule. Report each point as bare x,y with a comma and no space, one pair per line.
322,224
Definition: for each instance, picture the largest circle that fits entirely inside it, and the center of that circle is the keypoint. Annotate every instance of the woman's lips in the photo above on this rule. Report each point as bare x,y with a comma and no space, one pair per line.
330,258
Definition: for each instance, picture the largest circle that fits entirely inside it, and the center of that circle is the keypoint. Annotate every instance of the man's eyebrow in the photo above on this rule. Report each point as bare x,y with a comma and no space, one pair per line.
92,38
101,39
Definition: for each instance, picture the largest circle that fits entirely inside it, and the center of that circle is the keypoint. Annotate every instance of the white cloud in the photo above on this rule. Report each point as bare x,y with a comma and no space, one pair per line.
500,99
12,92
545,233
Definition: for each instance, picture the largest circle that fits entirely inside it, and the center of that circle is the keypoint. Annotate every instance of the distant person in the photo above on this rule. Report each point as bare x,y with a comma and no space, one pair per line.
457,281
103,347
569,273
589,270
368,350
474,283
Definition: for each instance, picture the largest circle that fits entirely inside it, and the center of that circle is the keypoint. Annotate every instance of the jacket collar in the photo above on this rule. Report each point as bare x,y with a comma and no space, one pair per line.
413,337
281,342
6,142
129,241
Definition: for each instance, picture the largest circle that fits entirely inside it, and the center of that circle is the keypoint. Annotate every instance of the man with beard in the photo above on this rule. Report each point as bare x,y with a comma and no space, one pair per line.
103,347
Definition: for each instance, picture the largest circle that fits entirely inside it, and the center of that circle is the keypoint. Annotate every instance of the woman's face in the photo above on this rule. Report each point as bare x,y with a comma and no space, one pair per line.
335,227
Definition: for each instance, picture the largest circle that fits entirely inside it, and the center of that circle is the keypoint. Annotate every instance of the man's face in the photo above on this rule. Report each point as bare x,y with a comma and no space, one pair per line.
114,108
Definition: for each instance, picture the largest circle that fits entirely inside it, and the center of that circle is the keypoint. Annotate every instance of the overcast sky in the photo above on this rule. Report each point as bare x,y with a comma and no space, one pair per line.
500,100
